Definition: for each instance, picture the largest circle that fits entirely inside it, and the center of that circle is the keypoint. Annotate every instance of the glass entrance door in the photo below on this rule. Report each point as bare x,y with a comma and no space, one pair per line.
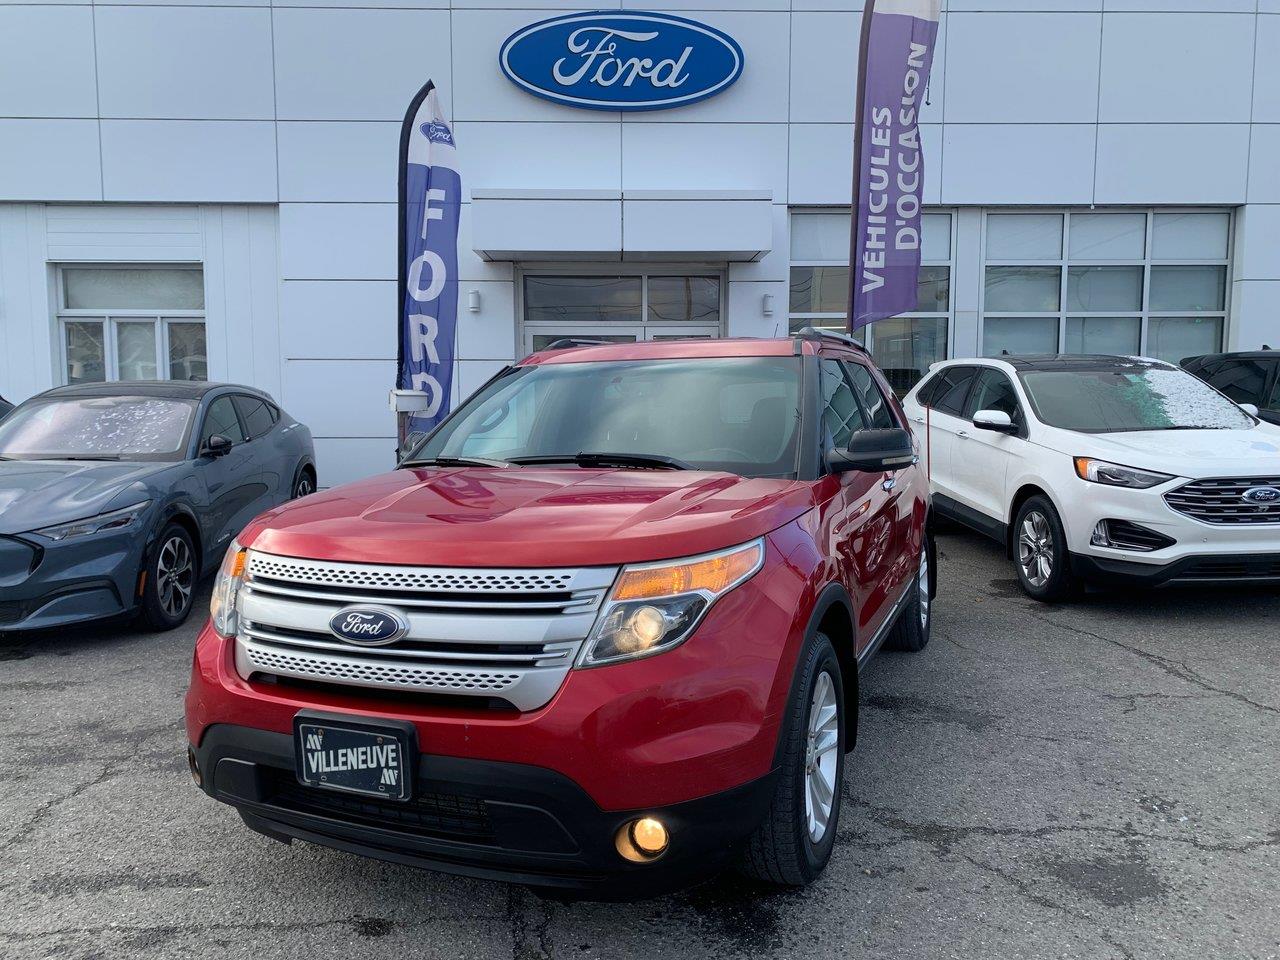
620,308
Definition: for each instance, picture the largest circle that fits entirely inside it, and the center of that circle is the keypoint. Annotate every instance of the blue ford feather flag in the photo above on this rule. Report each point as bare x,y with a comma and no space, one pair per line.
430,201
898,40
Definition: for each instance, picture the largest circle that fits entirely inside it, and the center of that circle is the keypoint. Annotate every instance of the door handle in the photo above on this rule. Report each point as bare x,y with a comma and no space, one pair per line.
918,419
962,433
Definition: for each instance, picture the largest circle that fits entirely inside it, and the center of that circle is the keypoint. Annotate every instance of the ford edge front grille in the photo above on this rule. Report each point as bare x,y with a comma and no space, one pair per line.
1225,502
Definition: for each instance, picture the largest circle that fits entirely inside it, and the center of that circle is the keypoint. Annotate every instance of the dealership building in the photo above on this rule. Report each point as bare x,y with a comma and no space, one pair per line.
208,189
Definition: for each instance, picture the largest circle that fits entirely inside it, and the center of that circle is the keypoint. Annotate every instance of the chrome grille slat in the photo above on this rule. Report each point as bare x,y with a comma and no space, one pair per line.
1221,501
463,626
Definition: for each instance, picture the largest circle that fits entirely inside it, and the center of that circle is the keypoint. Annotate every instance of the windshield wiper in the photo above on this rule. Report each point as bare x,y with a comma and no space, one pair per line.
76,456
456,462
635,460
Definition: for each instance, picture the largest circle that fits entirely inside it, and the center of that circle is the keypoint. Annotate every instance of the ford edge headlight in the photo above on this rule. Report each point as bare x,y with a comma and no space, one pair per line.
114,520
222,605
654,607
1115,475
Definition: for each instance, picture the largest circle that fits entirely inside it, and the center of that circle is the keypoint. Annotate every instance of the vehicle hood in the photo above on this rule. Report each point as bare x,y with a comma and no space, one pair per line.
39,493
1197,454
528,517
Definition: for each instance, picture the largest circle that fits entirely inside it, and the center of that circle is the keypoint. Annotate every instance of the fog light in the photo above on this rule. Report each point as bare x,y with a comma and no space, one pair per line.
195,767
1100,536
642,840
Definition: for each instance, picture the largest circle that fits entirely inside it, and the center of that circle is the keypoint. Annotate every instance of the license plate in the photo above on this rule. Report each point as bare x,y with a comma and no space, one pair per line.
367,759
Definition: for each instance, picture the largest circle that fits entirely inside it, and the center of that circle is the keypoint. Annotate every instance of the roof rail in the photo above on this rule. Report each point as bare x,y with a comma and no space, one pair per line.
813,333
565,343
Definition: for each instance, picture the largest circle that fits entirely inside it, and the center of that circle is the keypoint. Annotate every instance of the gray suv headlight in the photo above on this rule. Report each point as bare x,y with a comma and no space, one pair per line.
115,520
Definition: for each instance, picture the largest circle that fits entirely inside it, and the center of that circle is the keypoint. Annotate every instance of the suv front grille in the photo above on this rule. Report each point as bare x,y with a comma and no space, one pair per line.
507,634
1223,502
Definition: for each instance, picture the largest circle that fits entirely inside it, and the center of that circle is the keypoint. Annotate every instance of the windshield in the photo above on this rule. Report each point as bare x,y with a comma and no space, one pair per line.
1130,398
97,428
739,415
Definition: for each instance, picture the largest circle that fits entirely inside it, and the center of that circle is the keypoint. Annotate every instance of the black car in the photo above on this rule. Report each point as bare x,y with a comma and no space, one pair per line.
116,497
1251,377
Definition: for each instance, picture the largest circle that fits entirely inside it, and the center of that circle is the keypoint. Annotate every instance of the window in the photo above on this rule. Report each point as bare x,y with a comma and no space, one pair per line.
1150,283
952,389
221,420
614,308
132,323
873,401
841,414
903,347
993,391
255,414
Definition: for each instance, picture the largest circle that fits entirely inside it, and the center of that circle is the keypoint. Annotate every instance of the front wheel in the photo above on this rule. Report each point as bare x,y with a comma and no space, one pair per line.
793,844
1040,552
170,582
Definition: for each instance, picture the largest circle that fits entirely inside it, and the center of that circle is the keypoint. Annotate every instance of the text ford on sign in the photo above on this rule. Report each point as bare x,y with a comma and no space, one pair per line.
621,61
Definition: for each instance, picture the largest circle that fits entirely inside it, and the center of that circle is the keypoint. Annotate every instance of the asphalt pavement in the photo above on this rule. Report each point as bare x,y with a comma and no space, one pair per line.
1099,780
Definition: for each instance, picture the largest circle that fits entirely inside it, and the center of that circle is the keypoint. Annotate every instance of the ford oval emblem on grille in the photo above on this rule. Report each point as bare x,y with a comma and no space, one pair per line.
368,626
1262,495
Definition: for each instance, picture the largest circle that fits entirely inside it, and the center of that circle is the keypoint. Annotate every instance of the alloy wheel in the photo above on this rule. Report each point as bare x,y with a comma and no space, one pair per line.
175,576
303,487
1035,549
820,757
922,588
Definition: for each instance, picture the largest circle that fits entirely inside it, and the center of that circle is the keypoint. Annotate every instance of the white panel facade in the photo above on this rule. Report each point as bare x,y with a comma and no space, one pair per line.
258,141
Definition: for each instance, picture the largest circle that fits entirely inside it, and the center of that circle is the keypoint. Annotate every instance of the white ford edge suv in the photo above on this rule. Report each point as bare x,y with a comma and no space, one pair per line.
1102,470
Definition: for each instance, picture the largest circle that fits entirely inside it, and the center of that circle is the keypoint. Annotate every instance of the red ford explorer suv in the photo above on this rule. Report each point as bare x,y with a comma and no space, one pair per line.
602,629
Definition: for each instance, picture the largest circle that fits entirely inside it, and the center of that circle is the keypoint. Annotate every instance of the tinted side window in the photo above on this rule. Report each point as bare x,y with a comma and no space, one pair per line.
1273,402
1242,380
257,417
952,389
221,419
925,396
873,401
994,391
841,414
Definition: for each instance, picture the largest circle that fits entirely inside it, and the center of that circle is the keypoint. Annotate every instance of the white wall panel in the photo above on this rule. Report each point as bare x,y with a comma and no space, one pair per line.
1258,246
746,317
358,64
117,232
490,333
521,229
336,161
1266,85
1255,304
584,156
46,62
338,241
1172,163
470,265
996,76
708,229
1176,67
776,264
1018,163
232,161
332,320
185,63
721,156
341,398
50,160
472,375
821,163
342,460
1264,164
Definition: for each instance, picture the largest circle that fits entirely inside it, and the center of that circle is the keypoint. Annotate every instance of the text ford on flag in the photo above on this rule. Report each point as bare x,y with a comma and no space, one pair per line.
430,201
898,38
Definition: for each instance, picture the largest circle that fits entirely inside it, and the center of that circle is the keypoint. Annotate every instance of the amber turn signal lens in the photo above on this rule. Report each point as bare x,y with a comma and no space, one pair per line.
713,575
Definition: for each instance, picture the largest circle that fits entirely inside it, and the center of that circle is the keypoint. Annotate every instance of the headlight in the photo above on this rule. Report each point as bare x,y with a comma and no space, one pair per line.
222,606
655,606
115,520
1114,475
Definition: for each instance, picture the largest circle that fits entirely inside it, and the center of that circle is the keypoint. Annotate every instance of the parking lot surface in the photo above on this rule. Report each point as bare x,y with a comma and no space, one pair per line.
1096,780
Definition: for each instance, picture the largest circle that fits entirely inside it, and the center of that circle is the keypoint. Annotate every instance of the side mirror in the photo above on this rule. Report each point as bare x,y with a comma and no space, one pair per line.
411,441
1250,408
874,451
995,420
217,446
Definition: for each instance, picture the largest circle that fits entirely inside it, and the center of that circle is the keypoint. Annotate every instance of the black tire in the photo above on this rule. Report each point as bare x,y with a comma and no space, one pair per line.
782,850
915,623
1040,553
171,573
304,484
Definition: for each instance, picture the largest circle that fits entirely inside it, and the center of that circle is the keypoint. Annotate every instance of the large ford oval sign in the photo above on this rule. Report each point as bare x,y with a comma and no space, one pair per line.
368,626
621,60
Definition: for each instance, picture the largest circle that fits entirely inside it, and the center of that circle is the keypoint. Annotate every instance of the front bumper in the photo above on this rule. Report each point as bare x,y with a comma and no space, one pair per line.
1243,569
495,820
47,584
